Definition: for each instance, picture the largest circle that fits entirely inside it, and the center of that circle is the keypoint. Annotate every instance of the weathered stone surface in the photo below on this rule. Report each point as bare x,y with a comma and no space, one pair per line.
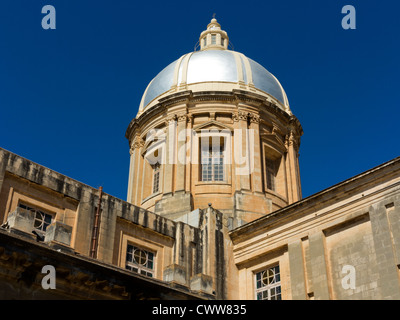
22,220
59,232
354,223
175,273
201,283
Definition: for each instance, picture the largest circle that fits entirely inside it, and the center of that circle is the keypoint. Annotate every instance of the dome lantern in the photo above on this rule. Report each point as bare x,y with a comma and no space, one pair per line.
213,38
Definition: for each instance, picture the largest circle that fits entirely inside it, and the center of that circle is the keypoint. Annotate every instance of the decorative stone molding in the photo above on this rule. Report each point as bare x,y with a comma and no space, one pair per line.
138,142
190,118
291,140
182,117
170,118
275,129
241,115
254,118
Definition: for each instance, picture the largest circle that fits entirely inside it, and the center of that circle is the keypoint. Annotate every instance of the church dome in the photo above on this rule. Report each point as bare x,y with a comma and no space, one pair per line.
214,68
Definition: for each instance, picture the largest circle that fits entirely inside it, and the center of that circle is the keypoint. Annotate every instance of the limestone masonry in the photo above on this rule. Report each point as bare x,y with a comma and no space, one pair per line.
214,208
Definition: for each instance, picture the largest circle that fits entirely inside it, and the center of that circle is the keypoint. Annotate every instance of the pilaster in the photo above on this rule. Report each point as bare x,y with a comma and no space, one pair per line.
181,143
318,266
170,154
292,169
241,157
135,151
255,154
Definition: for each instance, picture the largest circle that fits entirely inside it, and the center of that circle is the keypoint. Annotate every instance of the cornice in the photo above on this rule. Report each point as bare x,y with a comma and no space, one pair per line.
235,97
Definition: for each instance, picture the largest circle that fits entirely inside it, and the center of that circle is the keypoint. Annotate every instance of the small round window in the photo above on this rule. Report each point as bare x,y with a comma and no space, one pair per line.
140,257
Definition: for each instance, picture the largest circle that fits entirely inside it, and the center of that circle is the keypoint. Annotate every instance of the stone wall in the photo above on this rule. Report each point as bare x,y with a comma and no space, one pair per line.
189,257
343,236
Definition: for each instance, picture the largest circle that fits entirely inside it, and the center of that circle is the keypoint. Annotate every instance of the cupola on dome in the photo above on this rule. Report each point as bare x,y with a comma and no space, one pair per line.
214,68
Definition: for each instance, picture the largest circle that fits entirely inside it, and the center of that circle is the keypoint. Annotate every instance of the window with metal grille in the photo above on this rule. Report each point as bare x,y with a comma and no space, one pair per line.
42,219
212,162
213,39
139,260
268,284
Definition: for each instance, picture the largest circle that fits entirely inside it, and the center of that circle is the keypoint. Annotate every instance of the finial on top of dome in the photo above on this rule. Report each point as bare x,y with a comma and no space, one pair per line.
214,38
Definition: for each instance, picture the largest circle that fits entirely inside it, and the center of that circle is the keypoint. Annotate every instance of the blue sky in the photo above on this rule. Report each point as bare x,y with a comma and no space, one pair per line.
67,95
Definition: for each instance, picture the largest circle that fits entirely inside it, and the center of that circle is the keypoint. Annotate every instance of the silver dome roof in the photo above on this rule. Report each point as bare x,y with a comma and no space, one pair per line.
224,66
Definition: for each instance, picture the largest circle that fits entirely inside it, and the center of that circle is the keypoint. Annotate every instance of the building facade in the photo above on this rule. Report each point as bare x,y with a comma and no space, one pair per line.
214,207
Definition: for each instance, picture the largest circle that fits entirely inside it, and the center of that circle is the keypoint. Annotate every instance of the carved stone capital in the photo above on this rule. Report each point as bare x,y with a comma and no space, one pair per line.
254,118
291,140
170,118
190,118
182,117
241,115
138,142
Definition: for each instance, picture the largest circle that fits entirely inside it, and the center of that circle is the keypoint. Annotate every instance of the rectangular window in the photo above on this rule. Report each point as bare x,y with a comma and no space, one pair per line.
222,41
205,41
140,261
271,168
213,39
268,284
212,161
42,219
156,178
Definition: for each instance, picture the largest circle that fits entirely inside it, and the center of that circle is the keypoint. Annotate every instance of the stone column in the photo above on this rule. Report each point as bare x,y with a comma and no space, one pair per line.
255,154
292,168
136,147
170,154
131,174
240,152
181,149
188,179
